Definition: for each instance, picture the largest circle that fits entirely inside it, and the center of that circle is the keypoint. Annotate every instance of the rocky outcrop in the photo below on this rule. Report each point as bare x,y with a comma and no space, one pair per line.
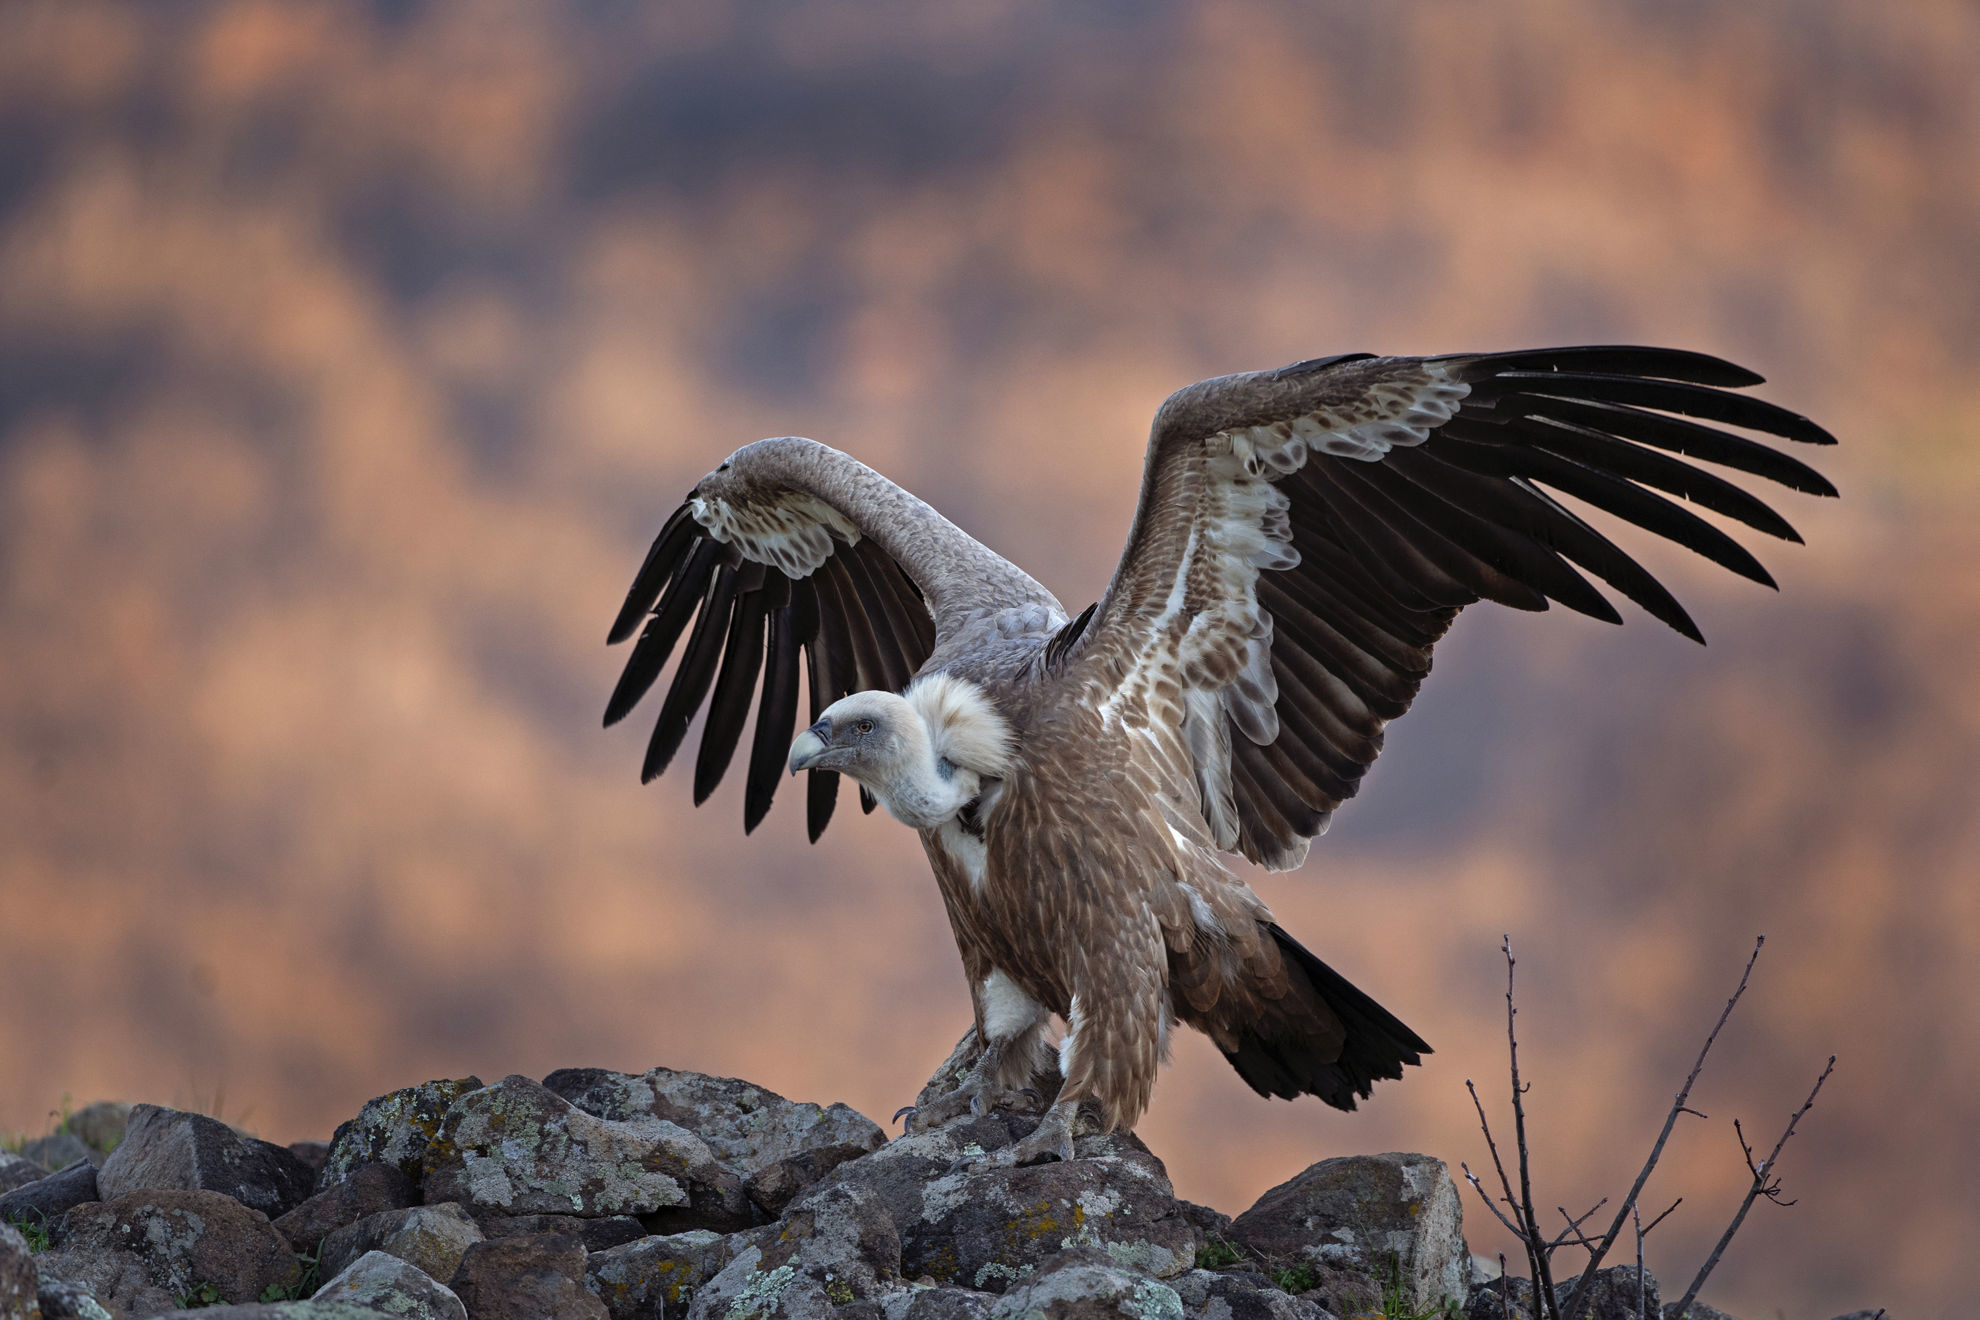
669,1195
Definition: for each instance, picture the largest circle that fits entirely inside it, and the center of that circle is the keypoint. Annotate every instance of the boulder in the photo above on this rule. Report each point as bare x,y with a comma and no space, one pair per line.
1084,1284
61,1300
173,1241
370,1189
1700,1311
432,1238
656,1278
48,1198
521,1149
1240,1295
596,1234
920,1301
1613,1294
779,1146
171,1149
310,1310
1390,1218
392,1129
59,1151
527,1278
835,1248
18,1171
101,1126
20,1281
985,1230
386,1283
1493,1299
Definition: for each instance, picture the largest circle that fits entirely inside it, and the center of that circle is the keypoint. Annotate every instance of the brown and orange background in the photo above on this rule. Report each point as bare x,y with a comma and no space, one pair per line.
349,355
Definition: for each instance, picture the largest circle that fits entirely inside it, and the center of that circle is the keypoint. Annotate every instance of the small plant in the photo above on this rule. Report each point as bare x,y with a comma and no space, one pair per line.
306,1283
1295,1279
204,1294
1396,1307
35,1231
1218,1253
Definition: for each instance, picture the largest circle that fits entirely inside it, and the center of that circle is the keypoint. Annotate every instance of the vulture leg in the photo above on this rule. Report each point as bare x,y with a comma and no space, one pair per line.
1013,1027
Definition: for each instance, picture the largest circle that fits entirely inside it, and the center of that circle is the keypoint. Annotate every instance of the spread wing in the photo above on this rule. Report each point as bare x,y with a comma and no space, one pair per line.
1306,535
792,555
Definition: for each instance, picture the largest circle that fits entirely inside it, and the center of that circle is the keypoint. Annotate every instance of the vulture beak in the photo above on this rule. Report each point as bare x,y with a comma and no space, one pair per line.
810,745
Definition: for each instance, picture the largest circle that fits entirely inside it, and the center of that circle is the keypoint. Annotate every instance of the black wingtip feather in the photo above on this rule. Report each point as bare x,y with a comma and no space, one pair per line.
662,558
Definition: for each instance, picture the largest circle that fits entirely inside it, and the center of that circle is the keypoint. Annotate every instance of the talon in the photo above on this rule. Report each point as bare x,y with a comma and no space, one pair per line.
905,1111
976,1104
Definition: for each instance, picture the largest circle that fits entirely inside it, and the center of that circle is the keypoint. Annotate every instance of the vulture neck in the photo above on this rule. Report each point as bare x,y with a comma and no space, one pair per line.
955,740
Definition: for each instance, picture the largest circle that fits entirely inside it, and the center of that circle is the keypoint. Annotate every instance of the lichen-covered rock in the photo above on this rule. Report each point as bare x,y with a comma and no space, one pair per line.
392,1129
522,1149
178,1240
388,1284
44,1200
779,1146
986,1230
61,1300
370,1189
20,1281
1084,1284
18,1171
1492,1299
527,1278
834,1248
168,1148
432,1238
1240,1295
596,1234
1613,1295
100,1126
656,1278
59,1150
920,1301
1380,1216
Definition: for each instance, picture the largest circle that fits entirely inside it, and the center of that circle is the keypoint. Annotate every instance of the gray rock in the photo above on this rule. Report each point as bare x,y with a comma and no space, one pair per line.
596,1234
392,1129
20,1281
313,1153
371,1189
779,1146
527,1278
1613,1294
927,1302
1490,1300
168,1148
521,1149
46,1199
656,1278
985,1230
69,1301
1380,1216
432,1238
169,1240
386,1283
1700,1311
59,1151
1240,1295
836,1247
18,1171
310,1310
1083,1284
101,1126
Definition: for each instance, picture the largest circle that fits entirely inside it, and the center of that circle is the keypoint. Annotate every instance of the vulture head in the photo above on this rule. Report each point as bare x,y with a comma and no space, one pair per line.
923,756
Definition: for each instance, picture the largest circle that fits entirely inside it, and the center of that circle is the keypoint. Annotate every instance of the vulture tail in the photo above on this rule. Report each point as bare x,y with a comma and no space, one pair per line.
1325,1038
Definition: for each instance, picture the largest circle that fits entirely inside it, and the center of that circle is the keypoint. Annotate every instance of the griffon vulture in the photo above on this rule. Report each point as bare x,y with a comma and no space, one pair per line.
1304,537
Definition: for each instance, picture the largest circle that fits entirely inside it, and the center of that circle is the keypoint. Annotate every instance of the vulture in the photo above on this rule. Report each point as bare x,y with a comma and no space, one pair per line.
1303,538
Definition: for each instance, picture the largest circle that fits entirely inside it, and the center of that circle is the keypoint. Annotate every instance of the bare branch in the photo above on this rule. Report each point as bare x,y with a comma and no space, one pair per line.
1678,1106
1472,1178
1760,1188
1666,1215
1544,1301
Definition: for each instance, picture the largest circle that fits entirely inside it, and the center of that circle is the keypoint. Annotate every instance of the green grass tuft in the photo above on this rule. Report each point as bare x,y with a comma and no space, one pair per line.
35,1230
1219,1253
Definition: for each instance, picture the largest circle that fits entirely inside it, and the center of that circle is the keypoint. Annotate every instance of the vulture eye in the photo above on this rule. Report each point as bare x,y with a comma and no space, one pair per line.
864,726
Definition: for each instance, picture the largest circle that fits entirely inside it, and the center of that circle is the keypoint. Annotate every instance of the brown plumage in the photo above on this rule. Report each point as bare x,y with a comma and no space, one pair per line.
1304,537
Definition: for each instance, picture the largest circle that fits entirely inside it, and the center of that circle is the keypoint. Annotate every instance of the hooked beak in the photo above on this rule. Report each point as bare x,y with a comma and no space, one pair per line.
810,745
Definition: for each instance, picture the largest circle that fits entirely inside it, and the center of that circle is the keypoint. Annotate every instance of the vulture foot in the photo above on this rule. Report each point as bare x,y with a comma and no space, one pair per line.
1052,1139
977,1096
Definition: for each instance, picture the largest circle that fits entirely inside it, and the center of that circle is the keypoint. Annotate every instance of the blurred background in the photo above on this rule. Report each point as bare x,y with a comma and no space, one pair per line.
350,355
